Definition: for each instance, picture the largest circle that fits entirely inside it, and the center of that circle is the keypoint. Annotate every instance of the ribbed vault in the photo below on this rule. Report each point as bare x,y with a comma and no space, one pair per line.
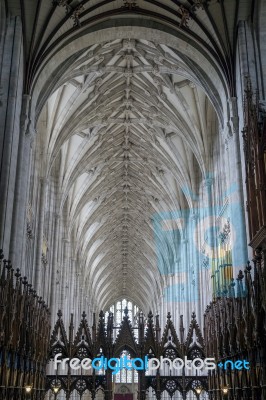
129,97
125,138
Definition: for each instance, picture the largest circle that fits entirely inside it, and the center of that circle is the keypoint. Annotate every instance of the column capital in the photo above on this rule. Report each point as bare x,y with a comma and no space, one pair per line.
30,135
232,123
31,131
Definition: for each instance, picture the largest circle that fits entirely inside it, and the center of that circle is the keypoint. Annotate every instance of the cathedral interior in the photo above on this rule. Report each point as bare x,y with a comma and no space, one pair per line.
133,199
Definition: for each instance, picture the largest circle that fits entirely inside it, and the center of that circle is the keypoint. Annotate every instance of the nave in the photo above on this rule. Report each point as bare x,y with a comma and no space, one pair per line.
132,195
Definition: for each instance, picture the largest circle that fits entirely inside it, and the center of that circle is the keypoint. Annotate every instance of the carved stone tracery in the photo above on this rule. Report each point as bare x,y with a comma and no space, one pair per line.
235,329
24,335
254,135
100,342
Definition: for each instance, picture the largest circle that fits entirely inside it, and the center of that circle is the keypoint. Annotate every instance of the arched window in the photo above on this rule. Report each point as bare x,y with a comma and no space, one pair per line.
125,375
118,310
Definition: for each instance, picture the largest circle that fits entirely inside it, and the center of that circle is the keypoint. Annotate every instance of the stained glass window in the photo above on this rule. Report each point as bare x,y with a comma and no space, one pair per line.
118,311
126,376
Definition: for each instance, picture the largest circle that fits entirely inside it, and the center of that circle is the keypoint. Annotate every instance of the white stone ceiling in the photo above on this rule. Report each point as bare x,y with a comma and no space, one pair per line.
128,130
210,24
125,137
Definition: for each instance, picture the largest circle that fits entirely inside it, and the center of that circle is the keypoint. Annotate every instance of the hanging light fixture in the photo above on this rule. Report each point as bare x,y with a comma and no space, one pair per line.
198,390
56,388
28,388
225,390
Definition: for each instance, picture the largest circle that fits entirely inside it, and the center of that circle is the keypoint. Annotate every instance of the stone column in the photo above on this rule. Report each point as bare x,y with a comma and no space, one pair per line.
38,261
184,294
64,306
200,291
72,279
236,205
81,303
11,77
54,287
17,242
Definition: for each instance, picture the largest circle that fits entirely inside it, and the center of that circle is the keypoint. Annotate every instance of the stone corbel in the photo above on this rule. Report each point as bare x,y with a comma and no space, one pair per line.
233,123
27,127
30,133
24,116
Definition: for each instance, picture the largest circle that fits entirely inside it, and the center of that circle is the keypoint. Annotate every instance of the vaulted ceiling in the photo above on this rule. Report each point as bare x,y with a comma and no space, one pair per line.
212,24
128,127
128,140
